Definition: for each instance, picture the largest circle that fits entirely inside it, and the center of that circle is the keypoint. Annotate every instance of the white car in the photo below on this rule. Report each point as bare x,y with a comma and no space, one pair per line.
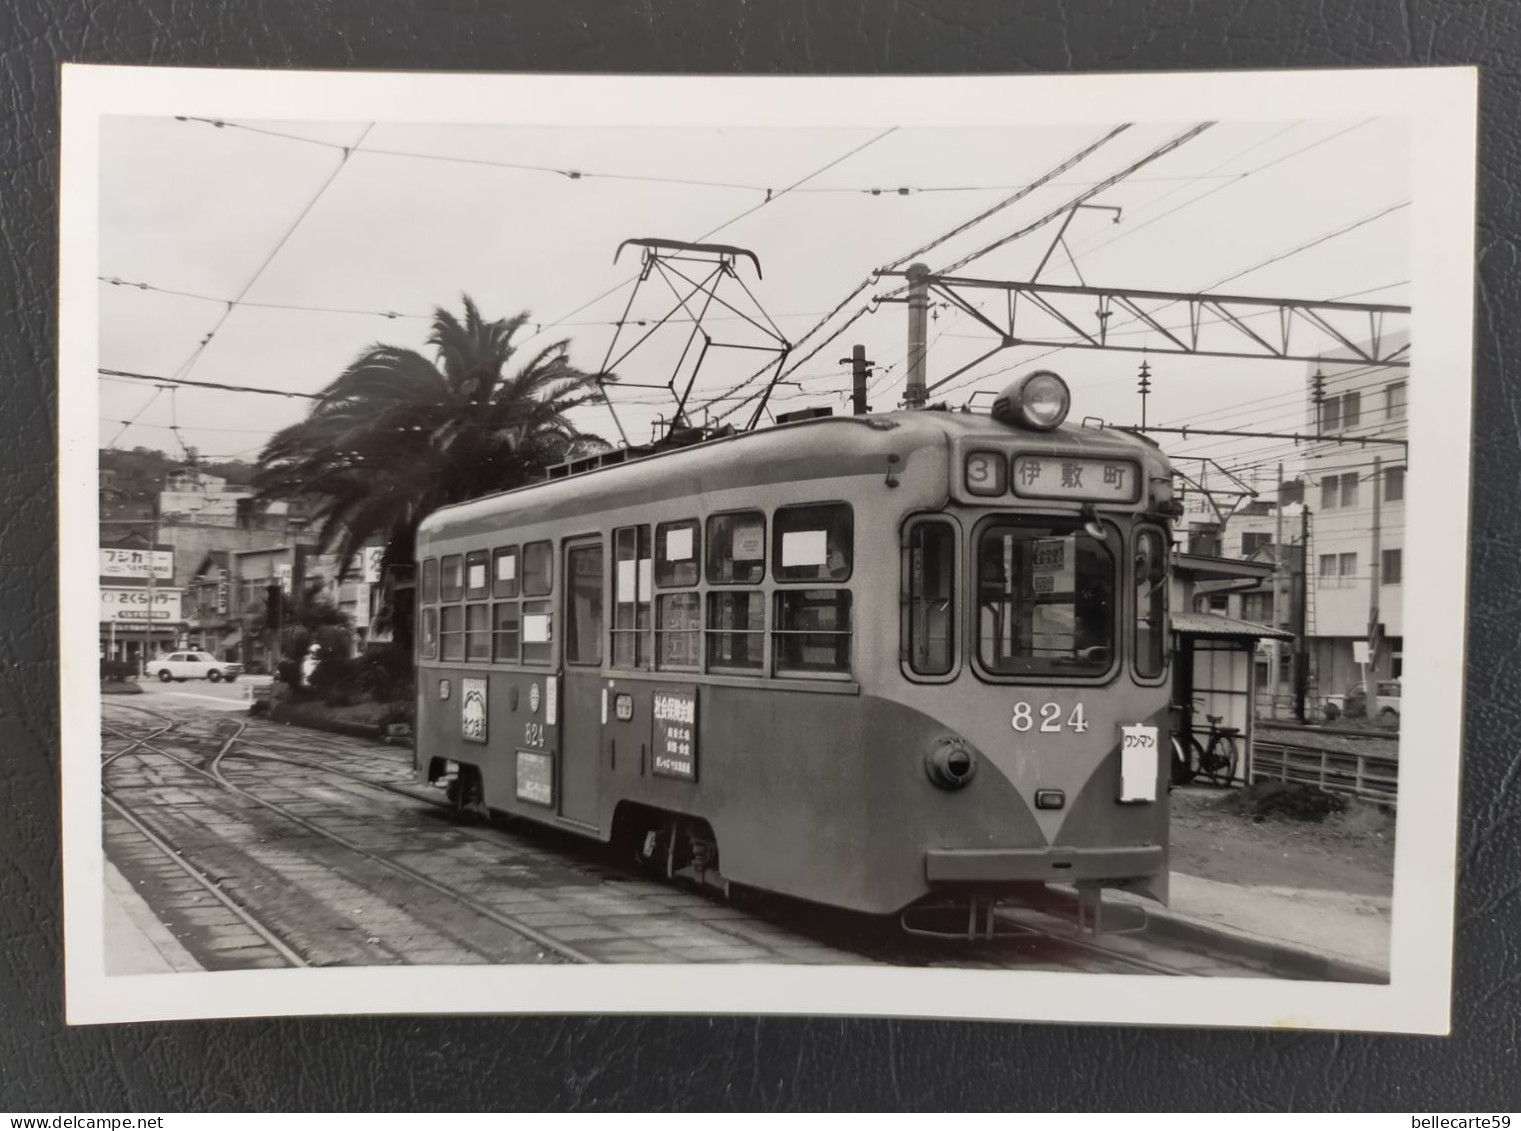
194,665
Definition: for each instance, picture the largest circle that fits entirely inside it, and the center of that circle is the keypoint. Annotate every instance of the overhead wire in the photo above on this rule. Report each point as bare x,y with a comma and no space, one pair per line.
189,363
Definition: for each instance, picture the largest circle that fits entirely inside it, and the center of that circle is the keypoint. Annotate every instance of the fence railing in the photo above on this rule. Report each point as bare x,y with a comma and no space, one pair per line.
1372,777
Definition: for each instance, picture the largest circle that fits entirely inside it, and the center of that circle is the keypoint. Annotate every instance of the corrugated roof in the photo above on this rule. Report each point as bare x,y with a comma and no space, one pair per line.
1213,624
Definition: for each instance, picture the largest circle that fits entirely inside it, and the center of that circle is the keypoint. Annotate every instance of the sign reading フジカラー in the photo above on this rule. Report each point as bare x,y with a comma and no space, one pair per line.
674,742
116,561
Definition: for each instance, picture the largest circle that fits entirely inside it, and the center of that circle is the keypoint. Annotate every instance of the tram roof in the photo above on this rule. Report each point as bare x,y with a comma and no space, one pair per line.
820,448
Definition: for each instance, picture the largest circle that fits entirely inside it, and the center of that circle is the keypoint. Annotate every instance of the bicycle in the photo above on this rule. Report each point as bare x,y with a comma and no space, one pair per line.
1216,761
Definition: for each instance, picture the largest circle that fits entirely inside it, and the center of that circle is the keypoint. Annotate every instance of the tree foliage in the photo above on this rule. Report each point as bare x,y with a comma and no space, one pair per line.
397,435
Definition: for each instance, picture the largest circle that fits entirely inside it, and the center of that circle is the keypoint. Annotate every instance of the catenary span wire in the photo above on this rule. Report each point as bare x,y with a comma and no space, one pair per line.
189,365
1089,248
564,318
981,216
1109,182
866,283
131,284
689,182
125,424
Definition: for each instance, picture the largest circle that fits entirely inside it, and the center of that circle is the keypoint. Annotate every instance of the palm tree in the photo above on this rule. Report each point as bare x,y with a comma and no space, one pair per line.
396,435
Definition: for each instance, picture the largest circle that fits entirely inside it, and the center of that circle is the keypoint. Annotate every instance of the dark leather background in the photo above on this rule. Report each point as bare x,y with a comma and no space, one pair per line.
627,1062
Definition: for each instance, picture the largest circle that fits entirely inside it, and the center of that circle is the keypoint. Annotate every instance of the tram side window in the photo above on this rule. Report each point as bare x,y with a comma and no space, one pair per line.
452,581
430,581
506,632
504,572
1045,599
812,543
428,638
678,629
812,631
476,583
676,553
452,632
538,569
583,605
478,633
737,629
737,548
930,612
1150,604
538,632
632,576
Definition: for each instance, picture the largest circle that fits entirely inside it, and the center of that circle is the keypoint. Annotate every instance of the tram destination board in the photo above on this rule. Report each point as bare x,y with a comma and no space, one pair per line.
674,742
1073,477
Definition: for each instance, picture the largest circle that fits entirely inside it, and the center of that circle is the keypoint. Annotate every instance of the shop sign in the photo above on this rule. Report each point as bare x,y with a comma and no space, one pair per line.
129,606
116,561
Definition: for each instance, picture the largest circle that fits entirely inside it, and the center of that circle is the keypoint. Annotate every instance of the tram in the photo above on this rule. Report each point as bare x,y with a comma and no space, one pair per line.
871,661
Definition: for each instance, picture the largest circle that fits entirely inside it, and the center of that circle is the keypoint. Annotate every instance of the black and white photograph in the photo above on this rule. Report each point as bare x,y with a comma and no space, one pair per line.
921,547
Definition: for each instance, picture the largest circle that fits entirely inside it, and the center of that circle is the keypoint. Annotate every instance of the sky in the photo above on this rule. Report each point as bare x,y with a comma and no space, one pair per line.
297,245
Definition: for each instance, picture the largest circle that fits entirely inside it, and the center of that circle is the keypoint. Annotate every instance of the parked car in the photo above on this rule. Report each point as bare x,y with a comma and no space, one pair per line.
181,666
1386,700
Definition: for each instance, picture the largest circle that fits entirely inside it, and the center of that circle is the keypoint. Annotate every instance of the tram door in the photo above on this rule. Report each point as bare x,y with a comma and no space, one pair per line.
581,718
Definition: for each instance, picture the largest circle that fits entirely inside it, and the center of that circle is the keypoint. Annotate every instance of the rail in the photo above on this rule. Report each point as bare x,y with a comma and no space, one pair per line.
1372,777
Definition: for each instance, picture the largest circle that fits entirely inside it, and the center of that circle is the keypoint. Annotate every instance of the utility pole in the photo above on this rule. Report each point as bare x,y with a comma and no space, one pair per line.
915,393
860,370
1301,643
1373,633
1277,650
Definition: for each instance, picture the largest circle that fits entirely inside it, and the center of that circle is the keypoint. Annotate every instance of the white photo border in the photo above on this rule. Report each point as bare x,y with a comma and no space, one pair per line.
1441,107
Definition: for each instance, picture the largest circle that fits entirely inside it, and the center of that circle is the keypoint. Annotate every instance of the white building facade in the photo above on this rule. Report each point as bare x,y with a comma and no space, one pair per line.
1355,493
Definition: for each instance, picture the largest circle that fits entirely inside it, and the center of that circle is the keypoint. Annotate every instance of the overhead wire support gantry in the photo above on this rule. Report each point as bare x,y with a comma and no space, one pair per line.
1217,325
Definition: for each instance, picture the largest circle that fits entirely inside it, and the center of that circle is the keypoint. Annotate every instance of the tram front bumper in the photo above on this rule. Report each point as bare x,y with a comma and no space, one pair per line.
1054,864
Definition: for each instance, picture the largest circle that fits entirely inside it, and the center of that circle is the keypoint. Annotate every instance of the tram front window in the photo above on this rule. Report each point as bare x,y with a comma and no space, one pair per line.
1045,599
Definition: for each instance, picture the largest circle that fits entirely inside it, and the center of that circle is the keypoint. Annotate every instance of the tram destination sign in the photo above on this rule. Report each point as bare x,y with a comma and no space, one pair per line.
1076,477
674,742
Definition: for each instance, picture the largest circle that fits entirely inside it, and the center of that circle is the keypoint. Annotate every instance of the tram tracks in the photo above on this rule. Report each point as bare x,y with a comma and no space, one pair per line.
212,771
1049,945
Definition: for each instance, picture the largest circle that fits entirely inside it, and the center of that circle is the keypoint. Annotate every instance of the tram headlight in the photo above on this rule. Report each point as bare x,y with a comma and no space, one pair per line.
1038,400
951,763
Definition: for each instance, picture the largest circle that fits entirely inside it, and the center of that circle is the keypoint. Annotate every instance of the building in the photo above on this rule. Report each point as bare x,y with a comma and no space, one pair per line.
141,607
1356,496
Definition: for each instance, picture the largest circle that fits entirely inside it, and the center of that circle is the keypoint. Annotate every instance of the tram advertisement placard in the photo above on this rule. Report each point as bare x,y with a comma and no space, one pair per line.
674,742
472,710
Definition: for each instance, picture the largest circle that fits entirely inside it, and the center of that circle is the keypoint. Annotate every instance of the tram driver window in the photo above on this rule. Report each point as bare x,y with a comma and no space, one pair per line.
737,548
930,612
1045,599
1150,604
812,543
